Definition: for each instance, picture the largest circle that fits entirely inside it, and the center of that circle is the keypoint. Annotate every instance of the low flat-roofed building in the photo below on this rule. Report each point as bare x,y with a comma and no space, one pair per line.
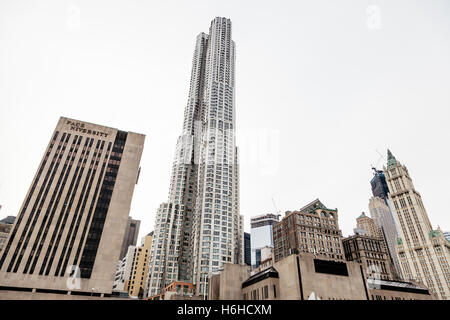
227,284
397,290
305,277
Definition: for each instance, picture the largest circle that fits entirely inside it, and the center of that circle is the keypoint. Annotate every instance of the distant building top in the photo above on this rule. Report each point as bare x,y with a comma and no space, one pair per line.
391,159
359,231
379,185
362,216
8,220
264,220
313,206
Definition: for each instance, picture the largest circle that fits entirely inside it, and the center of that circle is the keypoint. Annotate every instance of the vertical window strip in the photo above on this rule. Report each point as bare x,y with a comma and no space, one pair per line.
64,208
55,207
30,216
77,208
93,203
78,213
101,210
82,161
27,201
40,237
70,160
37,214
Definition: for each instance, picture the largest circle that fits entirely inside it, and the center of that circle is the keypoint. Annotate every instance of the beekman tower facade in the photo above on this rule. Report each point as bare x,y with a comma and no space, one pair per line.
200,228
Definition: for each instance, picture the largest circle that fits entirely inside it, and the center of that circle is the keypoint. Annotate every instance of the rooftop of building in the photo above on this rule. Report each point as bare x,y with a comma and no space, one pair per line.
391,161
269,216
362,216
270,272
314,205
8,220
396,285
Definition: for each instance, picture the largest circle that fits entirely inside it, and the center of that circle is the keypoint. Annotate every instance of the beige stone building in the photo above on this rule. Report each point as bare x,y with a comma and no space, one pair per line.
305,277
68,233
368,246
135,285
366,223
227,284
312,229
424,253
371,252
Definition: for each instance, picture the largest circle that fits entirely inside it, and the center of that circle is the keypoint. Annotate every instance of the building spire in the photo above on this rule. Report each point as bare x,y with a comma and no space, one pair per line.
391,159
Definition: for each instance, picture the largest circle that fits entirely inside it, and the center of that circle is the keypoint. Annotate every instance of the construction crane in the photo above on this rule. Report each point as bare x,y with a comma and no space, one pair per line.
276,210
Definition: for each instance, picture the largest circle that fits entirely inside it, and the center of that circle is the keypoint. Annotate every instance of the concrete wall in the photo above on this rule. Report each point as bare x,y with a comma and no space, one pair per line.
228,284
290,286
289,280
259,287
330,286
378,294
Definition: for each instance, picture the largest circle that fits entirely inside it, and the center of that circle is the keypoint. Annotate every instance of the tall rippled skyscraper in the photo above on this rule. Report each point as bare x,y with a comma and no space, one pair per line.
199,228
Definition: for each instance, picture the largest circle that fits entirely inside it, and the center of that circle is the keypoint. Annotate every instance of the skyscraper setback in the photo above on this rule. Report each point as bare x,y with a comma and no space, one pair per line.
199,227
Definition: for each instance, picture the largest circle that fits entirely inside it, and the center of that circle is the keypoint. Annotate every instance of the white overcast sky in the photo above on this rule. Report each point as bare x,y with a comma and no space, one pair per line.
322,88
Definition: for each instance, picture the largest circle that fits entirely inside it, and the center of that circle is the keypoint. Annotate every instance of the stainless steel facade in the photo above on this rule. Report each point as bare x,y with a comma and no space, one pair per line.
199,227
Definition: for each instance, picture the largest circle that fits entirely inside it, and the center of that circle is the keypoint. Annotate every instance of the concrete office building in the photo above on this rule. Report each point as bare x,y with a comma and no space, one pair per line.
261,235
200,228
131,234
314,229
424,253
68,233
305,277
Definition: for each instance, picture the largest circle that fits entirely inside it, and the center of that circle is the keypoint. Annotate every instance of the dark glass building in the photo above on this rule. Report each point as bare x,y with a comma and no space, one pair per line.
247,249
379,186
